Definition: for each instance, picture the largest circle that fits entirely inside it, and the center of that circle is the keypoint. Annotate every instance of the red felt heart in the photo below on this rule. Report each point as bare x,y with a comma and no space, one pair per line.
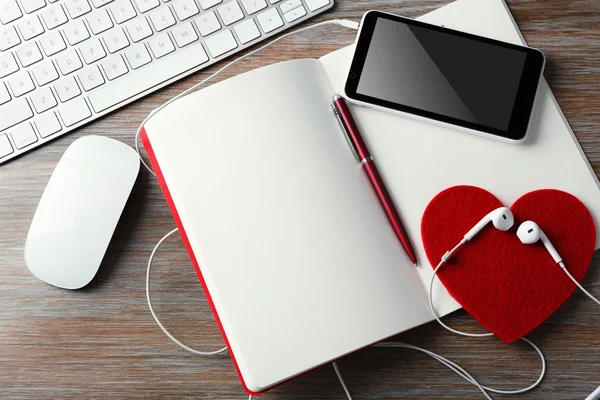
509,287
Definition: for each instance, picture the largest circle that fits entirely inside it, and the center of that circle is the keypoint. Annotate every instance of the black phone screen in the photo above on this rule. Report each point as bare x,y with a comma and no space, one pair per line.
445,75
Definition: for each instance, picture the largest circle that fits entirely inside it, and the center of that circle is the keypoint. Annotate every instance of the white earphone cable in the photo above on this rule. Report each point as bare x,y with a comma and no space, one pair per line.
465,375
342,382
450,364
342,22
432,308
453,366
198,352
562,265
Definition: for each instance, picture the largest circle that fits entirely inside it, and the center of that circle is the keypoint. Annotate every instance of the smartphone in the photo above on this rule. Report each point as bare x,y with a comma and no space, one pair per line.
456,79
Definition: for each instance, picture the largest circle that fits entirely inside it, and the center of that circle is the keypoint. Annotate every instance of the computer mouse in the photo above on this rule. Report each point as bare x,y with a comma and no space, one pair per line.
79,210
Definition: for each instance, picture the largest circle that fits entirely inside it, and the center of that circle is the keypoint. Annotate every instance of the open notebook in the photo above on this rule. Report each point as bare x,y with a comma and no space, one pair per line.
294,252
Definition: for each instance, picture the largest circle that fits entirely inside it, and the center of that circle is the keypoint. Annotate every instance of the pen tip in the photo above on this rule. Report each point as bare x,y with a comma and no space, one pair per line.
336,97
416,265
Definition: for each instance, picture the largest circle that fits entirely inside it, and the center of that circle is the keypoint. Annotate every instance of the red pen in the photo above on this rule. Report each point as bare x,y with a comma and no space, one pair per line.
362,153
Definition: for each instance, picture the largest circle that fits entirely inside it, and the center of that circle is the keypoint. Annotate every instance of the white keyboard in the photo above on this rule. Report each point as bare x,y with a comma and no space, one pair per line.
64,63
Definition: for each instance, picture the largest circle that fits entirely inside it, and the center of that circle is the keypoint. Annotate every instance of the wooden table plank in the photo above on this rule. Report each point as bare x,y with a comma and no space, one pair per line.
101,342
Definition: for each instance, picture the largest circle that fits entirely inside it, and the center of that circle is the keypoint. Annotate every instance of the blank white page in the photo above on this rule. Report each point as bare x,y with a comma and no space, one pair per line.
296,252
419,159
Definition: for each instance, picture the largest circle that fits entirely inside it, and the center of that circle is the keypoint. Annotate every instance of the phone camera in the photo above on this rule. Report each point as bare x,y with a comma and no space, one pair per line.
352,76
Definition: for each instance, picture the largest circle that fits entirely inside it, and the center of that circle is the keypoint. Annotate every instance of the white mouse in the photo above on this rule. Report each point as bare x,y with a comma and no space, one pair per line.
79,211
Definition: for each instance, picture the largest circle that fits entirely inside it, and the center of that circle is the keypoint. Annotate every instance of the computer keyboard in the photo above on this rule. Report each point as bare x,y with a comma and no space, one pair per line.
66,63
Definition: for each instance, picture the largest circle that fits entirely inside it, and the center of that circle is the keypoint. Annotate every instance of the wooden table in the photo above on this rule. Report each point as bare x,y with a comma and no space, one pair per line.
101,342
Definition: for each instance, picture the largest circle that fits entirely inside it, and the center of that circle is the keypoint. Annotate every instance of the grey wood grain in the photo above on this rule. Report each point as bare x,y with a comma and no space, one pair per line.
101,342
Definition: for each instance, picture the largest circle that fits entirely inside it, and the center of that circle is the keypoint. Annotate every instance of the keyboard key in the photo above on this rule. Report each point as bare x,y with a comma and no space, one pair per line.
74,111
161,45
13,112
95,43
68,61
67,88
185,9
153,74
76,32
290,5
184,34
247,31
122,10
9,11
4,95
90,78
54,16
47,124
32,5
5,146
44,72
53,43
221,43
138,29
208,23
316,4
77,8
253,6
115,39
20,83
8,65
8,38
92,50
30,27
23,135
162,18
137,55
230,12
100,3
99,21
43,99
206,4
295,14
114,67
269,20
29,54
146,5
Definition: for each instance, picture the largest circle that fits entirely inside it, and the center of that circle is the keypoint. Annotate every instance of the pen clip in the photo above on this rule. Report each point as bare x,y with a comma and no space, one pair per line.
346,133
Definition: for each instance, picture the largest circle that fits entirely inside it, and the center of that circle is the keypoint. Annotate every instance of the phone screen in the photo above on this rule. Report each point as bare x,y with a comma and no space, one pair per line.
442,74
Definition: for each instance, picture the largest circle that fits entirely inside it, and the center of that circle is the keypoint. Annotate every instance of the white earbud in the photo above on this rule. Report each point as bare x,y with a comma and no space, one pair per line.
529,232
502,218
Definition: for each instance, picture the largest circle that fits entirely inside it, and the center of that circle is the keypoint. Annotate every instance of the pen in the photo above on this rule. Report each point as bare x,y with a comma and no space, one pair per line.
362,153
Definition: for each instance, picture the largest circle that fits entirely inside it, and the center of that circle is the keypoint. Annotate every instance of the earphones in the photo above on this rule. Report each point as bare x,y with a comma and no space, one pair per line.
528,233
502,219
